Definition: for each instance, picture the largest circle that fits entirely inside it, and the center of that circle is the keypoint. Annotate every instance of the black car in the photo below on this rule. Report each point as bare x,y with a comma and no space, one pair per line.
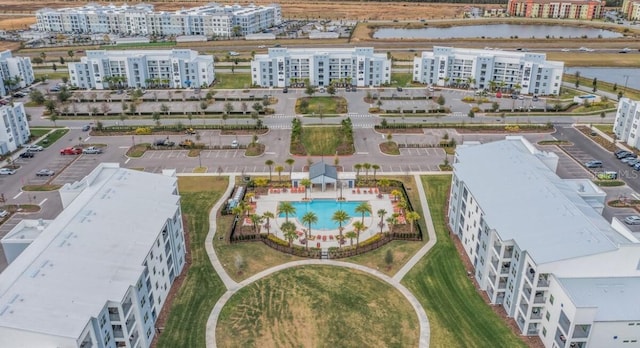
27,154
86,128
285,90
399,89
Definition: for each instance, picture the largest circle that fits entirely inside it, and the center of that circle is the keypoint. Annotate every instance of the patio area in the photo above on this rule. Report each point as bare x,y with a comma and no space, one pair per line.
320,238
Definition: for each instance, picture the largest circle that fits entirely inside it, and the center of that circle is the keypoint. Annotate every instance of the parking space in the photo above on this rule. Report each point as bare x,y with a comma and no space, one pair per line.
81,166
570,167
422,152
56,163
582,157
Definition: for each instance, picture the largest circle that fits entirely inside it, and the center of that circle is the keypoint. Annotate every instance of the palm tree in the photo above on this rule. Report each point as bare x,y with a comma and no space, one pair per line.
245,207
492,85
269,163
375,168
384,183
268,215
309,218
351,235
256,220
358,227
290,162
357,167
287,208
340,216
363,208
289,231
306,183
279,170
381,214
392,221
412,217
403,205
366,167
396,194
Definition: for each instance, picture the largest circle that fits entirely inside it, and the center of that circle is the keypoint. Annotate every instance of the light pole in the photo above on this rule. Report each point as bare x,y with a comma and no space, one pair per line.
626,79
199,160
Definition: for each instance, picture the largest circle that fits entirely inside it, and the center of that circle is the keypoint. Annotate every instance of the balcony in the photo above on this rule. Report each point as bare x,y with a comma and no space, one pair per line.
494,262
130,322
506,266
524,307
503,283
543,280
497,248
508,252
533,329
527,291
117,331
133,339
114,314
564,322
581,331
126,306
536,313
539,298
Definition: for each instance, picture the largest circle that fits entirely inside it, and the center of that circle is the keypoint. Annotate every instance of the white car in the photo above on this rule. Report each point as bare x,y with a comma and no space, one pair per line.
92,150
234,144
34,147
632,220
3,213
565,50
7,171
262,46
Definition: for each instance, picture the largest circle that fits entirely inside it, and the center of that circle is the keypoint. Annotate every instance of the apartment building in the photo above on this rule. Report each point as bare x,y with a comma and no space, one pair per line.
521,72
15,72
631,9
569,9
358,66
211,20
627,121
98,274
541,248
15,130
177,68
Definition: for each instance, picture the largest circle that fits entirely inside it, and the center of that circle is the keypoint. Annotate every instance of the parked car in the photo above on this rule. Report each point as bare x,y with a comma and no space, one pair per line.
190,131
285,90
624,154
163,142
86,128
7,171
92,150
54,89
628,159
535,98
3,213
399,89
186,143
632,220
636,166
34,147
45,172
234,144
607,175
27,154
71,151
633,162
594,164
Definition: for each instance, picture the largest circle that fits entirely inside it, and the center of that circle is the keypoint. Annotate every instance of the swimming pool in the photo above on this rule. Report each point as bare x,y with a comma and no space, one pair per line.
324,209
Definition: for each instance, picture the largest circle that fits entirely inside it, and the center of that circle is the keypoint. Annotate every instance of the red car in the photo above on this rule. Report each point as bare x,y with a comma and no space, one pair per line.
71,151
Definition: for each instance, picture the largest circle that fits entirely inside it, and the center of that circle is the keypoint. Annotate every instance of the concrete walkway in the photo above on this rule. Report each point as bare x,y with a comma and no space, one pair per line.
233,286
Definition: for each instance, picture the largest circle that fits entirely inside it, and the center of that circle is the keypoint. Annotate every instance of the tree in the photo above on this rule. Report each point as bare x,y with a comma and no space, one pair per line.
381,214
396,195
351,235
289,231
61,60
155,116
268,215
43,55
287,209
375,168
53,117
366,167
54,67
471,114
357,167
340,216
388,258
577,79
164,108
255,221
228,108
257,107
51,106
392,221
244,107
441,101
358,228
595,84
203,106
363,208
279,170
412,217
495,106
309,218
269,163
603,115
309,90
306,183
36,97
70,53
290,162
331,90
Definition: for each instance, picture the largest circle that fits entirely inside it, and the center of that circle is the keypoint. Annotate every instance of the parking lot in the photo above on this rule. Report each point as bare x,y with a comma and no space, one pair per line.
570,163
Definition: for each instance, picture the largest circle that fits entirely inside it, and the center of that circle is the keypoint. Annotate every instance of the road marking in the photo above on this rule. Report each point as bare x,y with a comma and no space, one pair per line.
635,195
362,153
123,147
127,161
18,195
269,153
44,200
87,139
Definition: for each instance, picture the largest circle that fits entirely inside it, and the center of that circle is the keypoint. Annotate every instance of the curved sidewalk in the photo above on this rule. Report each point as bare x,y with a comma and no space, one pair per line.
233,286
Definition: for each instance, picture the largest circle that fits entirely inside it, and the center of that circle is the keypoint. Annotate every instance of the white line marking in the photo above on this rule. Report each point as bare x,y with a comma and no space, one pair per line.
124,147
18,195
127,161
87,139
44,200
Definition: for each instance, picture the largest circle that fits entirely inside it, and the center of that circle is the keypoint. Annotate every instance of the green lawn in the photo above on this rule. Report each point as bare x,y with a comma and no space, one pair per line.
317,306
325,141
401,79
52,75
458,316
606,128
53,137
38,132
232,81
185,326
321,105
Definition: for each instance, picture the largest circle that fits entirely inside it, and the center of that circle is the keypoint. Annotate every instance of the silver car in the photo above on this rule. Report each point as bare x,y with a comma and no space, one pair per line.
632,220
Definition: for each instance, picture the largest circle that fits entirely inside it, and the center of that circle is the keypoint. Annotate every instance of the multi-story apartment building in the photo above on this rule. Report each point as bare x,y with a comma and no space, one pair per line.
212,20
358,66
15,127
571,9
99,274
631,9
627,121
15,72
177,68
522,72
541,248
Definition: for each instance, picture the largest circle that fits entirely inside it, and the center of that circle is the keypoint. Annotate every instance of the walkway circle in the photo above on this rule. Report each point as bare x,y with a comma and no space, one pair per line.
423,321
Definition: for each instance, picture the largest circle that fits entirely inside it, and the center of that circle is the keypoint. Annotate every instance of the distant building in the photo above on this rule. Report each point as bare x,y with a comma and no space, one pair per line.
570,9
15,72
631,9
627,122
177,68
358,66
541,249
14,129
99,274
212,20
522,72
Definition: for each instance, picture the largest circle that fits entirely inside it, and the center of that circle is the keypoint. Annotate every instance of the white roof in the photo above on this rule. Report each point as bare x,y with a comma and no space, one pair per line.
524,201
615,298
90,254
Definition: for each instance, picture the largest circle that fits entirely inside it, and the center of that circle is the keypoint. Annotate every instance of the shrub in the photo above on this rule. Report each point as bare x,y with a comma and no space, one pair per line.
514,128
143,131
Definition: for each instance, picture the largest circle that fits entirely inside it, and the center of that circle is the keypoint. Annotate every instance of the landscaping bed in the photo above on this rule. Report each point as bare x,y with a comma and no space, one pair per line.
321,105
597,138
326,141
390,148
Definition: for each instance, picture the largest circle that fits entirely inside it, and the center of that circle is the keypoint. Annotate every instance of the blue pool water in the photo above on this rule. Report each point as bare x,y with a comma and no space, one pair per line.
324,209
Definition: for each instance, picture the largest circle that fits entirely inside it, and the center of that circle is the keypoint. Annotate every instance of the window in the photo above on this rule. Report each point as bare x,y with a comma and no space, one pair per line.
544,331
547,316
551,299
103,320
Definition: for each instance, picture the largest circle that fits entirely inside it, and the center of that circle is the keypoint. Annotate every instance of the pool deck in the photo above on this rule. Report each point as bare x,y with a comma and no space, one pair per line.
326,238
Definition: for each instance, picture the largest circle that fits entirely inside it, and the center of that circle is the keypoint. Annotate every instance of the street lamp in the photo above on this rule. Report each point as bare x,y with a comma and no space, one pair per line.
199,160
